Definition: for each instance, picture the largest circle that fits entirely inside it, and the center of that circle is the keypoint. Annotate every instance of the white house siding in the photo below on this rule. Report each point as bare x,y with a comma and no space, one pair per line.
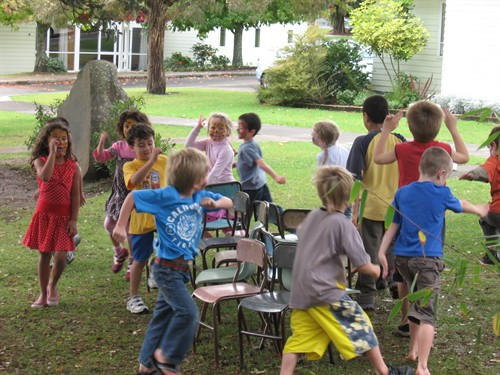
471,60
427,62
272,38
17,49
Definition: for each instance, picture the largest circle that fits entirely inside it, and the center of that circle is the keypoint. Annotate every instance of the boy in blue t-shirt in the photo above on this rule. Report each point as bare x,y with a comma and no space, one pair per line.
251,166
420,206
178,210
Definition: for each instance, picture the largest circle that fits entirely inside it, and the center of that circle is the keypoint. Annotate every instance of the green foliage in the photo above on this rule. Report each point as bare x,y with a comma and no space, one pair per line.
203,53
296,78
342,70
42,115
178,62
404,93
346,97
389,29
54,65
205,58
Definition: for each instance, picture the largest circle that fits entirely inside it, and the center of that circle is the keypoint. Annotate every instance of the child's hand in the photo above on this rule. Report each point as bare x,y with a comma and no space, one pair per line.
450,120
104,137
466,176
119,234
72,228
201,121
82,199
154,155
383,263
53,146
280,180
208,203
483,209
391,122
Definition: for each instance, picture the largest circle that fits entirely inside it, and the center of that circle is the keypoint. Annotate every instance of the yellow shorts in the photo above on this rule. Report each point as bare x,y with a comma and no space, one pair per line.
342,322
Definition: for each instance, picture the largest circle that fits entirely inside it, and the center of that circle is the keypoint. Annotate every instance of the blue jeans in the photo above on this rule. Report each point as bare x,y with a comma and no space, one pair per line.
175,317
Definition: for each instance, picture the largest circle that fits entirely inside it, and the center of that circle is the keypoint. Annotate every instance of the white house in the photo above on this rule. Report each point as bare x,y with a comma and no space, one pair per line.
128,49
462,53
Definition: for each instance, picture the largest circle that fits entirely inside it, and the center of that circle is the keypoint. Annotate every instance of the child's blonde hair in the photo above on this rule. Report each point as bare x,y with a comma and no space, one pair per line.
424,120
185,168
435,159
223,119
334,184
328,133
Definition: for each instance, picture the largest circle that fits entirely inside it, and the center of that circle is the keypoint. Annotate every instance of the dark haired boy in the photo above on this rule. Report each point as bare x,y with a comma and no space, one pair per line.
251,166
420,207
146,171
490,172
381,182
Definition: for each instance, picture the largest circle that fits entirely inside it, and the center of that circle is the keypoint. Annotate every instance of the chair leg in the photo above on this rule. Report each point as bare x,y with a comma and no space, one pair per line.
202,319
215,309
330,353
240,336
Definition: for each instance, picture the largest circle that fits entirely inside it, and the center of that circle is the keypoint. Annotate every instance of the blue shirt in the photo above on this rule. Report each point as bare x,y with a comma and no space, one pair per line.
178,220
251,176
422,205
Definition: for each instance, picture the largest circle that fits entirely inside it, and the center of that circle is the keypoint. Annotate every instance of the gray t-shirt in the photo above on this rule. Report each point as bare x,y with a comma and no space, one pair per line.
251,176
318,271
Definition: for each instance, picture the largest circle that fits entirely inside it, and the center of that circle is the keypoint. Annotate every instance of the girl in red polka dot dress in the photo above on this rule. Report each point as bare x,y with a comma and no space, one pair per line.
53,224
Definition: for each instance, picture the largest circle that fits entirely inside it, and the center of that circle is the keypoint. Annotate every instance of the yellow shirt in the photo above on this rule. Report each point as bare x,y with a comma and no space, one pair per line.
156,178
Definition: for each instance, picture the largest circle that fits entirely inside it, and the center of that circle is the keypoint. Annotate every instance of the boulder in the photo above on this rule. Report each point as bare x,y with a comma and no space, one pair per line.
93,94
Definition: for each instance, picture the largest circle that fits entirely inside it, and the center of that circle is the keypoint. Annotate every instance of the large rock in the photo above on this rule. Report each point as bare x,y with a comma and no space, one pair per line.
87,107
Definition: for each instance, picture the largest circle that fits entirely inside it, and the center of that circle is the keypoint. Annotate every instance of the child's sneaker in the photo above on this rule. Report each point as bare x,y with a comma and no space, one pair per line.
400,370
70,257
487,260
118,259
136,306
151,281
403,330
129,267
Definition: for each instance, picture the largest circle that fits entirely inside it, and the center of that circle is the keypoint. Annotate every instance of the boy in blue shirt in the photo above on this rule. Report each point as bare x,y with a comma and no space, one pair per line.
420,206
178,210
251,166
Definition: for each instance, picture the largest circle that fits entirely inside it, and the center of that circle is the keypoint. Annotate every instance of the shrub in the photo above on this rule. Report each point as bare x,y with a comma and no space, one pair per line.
53,65
203,53
295,79
342,70
346,97
178,62
459,105
404,93
219,61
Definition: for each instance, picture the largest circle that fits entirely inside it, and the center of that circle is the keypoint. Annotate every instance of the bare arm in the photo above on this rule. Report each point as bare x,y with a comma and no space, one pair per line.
44,170
461,154
477,174
480,210
75,202
191,138
355,212
380,155
223,203
143,171
384,245
266,168
120,231
102,141
370,269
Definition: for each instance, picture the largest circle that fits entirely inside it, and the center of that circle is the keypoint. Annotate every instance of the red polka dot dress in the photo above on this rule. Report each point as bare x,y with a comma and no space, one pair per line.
48,227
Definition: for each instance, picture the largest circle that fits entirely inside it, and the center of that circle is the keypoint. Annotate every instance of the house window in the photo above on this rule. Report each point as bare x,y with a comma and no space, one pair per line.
257,38
222,41
290,36
441,31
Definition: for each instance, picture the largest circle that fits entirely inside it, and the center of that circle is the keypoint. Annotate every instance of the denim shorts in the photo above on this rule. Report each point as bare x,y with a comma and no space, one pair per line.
142,245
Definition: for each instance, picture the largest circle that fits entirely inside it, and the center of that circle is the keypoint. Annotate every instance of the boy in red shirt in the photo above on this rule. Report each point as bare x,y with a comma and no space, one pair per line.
490,172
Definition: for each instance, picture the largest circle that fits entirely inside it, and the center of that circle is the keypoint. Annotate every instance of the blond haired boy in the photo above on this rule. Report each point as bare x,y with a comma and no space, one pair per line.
322,312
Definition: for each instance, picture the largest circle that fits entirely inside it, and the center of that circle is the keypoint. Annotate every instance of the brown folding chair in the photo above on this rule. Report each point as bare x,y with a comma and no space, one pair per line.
248,251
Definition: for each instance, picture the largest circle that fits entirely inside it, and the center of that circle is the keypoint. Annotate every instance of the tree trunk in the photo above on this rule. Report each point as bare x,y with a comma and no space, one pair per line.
40,47
156,75
238,46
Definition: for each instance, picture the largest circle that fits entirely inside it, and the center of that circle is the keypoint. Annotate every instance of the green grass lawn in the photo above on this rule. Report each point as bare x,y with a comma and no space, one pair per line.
91,332
190,103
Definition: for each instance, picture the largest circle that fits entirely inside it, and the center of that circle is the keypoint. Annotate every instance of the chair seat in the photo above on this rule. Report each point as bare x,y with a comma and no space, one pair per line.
219,275
269,303
207,243
288,237
215,293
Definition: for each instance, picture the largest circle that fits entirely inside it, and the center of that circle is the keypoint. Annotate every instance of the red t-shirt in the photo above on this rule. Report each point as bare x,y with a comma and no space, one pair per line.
492,166
408,155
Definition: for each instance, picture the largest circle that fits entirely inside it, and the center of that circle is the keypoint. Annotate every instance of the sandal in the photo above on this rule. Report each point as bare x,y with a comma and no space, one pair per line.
39,303
52,300
166,366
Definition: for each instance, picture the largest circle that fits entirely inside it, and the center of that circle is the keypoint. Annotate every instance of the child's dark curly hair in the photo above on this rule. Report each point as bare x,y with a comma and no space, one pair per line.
41,146
133,114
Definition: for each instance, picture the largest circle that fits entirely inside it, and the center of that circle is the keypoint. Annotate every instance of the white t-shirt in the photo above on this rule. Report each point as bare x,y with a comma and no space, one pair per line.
337,155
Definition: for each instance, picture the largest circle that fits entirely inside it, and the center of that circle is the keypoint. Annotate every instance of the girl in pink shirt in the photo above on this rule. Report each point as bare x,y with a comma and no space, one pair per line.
123,153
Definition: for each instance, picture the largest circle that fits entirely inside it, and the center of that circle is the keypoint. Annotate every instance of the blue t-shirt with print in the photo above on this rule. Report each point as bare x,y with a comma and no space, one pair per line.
178,220
251,176
423,205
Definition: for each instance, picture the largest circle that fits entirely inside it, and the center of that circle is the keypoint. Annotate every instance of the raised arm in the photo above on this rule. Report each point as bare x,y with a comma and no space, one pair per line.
143,171
380,155
461,154
266,168
191,138
44,170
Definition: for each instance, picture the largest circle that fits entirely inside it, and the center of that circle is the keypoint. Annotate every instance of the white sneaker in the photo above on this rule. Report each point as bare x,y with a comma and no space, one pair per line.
151,280
70,256
136,306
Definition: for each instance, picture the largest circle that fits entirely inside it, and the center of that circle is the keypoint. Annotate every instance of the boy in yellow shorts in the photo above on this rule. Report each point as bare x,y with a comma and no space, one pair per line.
321,310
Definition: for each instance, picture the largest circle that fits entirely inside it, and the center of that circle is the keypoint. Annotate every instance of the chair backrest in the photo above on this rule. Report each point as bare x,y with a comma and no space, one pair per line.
274,217
242,211
293,217
227,189
261,212
251,252
284,256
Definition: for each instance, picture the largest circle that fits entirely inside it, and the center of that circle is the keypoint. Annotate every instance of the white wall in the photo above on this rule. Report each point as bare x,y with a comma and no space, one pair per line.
272,38
425,63
17,49
471,59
